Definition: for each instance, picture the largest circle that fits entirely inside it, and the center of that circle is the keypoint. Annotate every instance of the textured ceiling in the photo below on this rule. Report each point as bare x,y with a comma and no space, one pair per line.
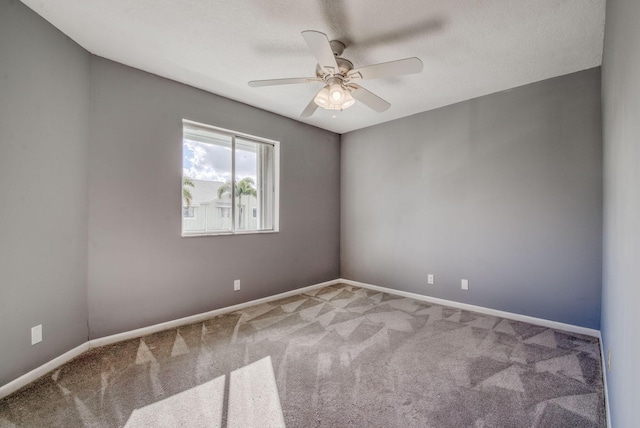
469,48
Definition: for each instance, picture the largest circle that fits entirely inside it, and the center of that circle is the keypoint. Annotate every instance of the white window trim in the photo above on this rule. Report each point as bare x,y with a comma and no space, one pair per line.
276,181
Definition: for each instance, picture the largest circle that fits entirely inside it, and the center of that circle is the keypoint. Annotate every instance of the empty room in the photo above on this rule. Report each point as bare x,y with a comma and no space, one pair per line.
319,213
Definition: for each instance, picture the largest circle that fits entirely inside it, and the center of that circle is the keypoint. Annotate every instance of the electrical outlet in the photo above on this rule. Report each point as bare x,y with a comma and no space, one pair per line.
236,285
464,284
609,360
36,334
431,279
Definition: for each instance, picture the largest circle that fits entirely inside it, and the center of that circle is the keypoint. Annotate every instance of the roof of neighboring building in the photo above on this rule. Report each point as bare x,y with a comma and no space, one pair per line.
204,191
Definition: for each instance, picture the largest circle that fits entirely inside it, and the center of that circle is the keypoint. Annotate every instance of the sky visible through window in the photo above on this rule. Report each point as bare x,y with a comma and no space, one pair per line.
211,162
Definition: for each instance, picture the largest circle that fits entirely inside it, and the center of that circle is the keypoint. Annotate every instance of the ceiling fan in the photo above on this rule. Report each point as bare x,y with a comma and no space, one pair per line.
339,92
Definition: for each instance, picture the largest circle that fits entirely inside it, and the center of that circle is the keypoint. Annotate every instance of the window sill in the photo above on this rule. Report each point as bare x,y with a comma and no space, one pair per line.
248,232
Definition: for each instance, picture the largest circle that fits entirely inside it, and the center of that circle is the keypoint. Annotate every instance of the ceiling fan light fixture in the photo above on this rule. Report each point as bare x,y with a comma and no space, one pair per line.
322,98
336,92
327,101
348,100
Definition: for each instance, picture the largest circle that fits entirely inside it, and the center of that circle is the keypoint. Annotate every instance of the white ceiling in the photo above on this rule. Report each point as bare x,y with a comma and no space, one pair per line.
469,47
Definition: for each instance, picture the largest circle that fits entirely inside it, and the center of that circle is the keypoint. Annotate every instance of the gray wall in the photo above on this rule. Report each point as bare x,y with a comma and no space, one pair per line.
141,271
621,284
504,190
44,105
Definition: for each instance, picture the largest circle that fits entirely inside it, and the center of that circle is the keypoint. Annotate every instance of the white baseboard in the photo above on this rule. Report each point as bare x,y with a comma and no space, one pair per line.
502,314
132,334
34,374
108,340
603,360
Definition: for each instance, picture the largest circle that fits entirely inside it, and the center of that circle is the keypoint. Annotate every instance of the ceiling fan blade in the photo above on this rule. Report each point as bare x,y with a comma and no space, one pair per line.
320,48
369,99
274,82
388,69
310,108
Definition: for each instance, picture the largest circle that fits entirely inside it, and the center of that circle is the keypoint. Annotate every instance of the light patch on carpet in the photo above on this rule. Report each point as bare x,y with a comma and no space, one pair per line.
377,297
200,406
434,312
344,329
313,292
360,309
309,340
325,361
64,390
507,379
266,322
311,313
344,295
397,320
204,332
455,317
179,346
290,307
505,327
145,356
485,322
407,305
360,293
380,340
568,365
6,424
104,382
341,303
326,319
287,328
519,354
546,338
204,364
88,418
592,349
253,397
328,295
585,405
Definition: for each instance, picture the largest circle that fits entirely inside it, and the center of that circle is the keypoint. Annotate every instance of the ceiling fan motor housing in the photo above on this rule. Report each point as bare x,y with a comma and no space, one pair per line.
337,47
344,66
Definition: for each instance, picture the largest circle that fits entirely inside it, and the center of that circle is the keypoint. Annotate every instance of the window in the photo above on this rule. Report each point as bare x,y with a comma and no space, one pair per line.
231,178
188,212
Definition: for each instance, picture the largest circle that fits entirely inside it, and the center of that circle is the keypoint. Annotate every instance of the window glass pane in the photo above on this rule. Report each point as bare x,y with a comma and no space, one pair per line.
246,191
206,178
254,185
187,212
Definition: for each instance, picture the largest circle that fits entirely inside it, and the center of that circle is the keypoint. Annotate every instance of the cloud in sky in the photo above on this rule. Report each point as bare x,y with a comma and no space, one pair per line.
202,161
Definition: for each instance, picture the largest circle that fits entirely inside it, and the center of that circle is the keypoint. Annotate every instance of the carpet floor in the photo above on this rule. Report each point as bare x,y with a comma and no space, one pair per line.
337,356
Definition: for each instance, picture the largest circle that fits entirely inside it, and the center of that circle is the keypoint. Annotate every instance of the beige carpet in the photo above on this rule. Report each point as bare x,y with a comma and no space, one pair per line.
338,356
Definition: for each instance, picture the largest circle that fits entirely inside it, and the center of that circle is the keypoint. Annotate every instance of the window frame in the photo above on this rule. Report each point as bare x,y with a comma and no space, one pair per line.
276,180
